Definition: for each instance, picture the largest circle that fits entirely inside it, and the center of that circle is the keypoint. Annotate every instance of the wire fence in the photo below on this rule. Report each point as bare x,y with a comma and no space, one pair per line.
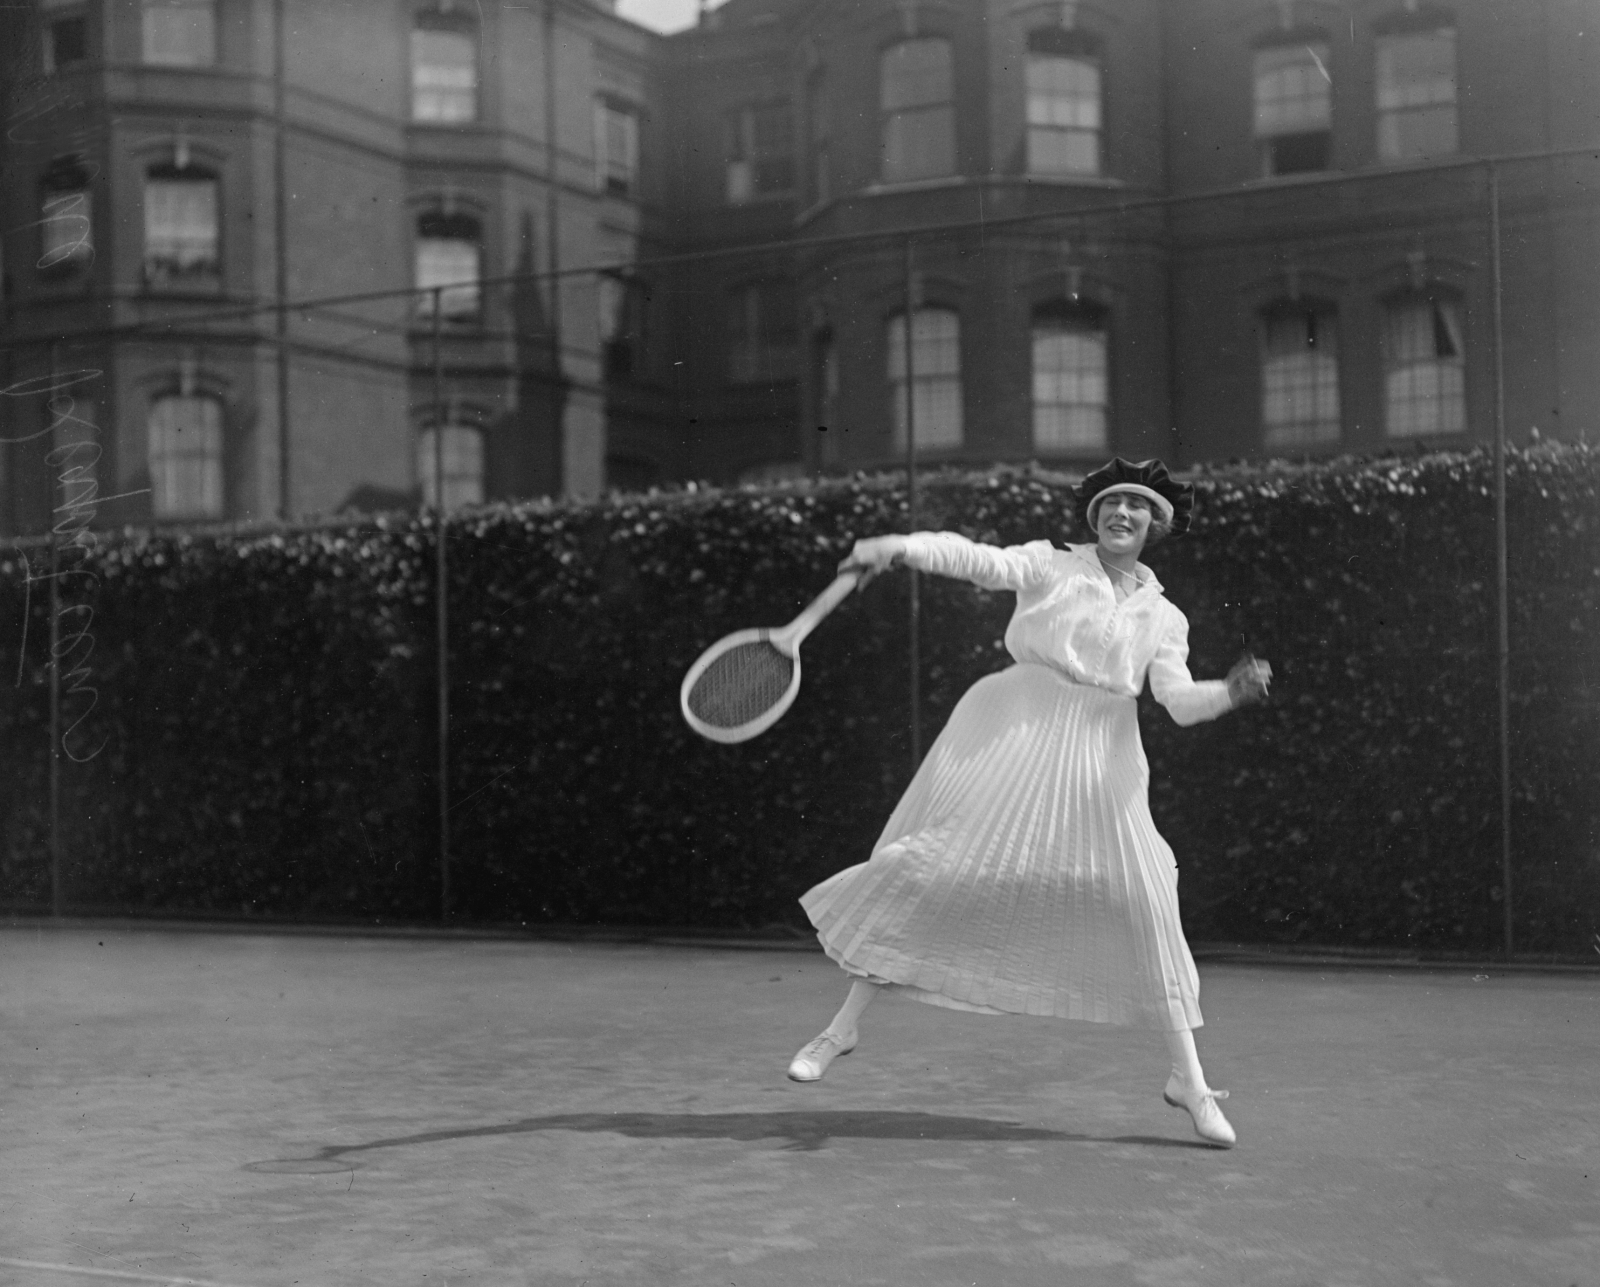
1340,313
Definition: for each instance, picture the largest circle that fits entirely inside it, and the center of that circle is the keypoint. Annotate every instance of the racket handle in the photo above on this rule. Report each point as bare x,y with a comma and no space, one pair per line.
821,606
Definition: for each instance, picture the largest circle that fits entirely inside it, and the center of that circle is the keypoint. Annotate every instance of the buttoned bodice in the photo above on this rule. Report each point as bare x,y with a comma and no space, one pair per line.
1067,617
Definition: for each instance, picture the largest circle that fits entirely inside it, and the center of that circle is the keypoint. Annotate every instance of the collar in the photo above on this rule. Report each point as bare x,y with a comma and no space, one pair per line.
1087,554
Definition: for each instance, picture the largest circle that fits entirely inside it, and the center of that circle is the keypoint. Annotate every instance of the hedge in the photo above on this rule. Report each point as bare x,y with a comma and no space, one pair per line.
267,705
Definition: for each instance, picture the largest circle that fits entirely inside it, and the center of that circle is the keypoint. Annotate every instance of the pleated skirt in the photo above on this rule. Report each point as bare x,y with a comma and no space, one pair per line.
1021,872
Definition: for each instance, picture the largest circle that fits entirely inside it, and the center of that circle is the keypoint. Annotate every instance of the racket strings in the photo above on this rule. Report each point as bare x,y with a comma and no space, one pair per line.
741,685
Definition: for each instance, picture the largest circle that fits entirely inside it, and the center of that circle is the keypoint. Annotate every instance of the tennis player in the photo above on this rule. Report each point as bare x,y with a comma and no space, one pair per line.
1021,872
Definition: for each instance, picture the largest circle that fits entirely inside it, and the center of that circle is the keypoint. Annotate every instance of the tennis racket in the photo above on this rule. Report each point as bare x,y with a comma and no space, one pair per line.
742,684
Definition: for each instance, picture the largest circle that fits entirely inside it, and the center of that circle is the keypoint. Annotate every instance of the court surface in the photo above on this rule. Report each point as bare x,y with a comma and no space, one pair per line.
242,1109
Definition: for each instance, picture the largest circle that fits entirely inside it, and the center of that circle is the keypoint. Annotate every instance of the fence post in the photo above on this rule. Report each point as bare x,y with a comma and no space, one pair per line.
911,508
1502,594
55,643
442,606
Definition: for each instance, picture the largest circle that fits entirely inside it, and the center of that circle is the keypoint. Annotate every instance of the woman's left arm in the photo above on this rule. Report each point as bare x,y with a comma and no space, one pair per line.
1188,701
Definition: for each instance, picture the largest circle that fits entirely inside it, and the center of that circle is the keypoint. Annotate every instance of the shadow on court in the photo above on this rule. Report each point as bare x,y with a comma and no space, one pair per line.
800,1130
234,1110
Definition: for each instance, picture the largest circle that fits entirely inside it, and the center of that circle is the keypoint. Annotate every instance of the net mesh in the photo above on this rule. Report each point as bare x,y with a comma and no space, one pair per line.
742,684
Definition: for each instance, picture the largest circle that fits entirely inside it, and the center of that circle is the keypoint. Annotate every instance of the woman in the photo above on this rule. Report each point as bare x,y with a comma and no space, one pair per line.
1021,872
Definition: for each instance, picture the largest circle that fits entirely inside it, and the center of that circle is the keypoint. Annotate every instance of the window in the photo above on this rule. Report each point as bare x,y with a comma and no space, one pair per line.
616,146
762,332
1070,384
820,127
180,33
461,447
936,372
918,115
1417,94
180,226
66,223
66,41
622,302
186,457
1299,375
444,68
1063,82
449,255
1294,108
1424,367
759,143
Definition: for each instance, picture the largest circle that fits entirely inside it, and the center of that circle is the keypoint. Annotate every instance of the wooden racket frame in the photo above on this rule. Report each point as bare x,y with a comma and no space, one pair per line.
787,640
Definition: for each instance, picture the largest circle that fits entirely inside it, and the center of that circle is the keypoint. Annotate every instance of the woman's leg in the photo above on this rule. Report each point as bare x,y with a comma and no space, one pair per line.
838,1038
1187,1088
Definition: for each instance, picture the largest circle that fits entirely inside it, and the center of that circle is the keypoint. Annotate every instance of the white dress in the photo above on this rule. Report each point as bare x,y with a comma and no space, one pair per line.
1021,872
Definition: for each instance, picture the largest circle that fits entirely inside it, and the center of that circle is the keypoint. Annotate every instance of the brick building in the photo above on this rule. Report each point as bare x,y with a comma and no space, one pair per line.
1199,228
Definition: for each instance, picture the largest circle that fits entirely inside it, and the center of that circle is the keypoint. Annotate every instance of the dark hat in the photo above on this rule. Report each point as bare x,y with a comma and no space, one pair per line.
1148,478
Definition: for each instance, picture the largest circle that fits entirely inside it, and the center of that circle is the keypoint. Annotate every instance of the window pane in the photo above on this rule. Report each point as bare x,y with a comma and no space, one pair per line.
1425,381
180,33
915,73
1063,91
67,229
616,147
180,228
185,453
1293,90
936,358
450,262
1417,95
919,145
462,449
1070,390
66,42
444,76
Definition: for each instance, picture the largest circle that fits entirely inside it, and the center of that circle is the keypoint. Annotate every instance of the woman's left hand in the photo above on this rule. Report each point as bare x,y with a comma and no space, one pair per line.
1248,681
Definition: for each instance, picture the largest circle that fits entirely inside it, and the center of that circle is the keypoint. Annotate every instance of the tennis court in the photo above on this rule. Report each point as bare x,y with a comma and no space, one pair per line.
252,1109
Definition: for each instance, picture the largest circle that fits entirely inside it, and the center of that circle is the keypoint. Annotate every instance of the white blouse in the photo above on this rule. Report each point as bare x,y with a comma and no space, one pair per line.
1068,617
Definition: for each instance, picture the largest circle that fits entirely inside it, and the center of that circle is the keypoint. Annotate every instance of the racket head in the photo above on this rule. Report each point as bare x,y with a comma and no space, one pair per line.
740,686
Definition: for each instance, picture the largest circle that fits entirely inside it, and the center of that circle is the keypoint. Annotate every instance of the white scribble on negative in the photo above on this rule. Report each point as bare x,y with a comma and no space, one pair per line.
1318,62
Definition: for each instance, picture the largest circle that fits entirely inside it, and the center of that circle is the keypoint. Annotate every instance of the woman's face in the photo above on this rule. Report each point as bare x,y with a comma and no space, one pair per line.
1122,523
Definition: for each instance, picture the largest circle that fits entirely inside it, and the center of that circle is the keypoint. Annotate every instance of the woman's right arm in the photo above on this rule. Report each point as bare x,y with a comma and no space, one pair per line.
1015,567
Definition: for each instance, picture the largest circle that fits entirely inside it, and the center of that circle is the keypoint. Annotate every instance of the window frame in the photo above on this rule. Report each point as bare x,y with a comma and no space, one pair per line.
1069,317
1079,48
1277,145
53,18
210,461
934,391
454,314
66,179
210,56
741,145
891,115
462,431
1302,373
178,280
455,22
1390,118
1448,372
613,176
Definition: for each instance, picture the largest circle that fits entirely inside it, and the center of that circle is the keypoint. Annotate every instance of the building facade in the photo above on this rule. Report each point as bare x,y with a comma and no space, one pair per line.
778,242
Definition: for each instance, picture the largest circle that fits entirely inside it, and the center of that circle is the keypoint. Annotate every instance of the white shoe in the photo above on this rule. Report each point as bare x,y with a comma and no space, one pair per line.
817,1054
1209,1123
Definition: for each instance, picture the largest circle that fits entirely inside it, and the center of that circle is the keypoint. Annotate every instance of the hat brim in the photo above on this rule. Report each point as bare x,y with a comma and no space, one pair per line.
1137,489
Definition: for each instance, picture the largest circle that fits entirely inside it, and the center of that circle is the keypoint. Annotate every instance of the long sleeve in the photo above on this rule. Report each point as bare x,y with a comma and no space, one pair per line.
1188,701
1016,567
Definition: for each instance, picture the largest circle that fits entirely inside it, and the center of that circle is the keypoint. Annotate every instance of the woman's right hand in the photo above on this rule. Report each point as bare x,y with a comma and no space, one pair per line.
875,554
